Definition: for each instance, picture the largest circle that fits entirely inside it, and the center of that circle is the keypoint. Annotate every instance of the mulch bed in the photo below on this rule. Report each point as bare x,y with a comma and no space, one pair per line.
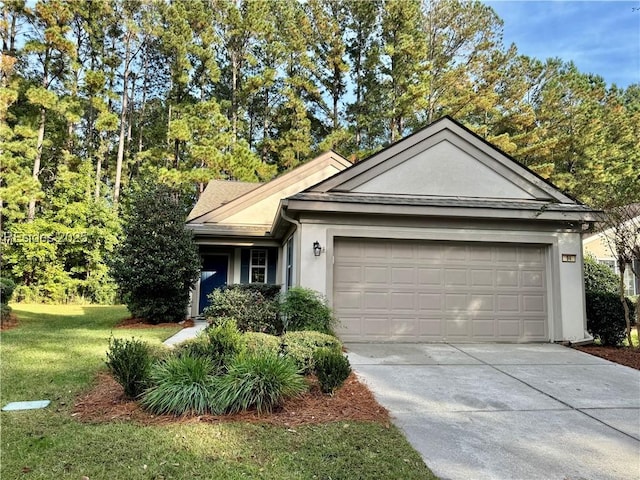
141,323
622,355
353,402
10,322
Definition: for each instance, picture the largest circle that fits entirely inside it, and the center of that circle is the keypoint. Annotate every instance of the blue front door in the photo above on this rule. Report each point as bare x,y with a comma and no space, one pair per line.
212,276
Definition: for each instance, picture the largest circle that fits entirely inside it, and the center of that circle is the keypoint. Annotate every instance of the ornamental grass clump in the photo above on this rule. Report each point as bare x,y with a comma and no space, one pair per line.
180,385
129,361
262,382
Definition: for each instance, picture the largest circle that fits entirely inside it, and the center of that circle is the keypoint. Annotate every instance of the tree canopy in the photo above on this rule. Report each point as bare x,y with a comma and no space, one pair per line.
94,95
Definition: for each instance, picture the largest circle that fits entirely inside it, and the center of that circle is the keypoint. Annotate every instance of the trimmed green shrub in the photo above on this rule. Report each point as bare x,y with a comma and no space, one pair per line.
129,361
7,287
332,368
305,309
256,343
225,341
605,317
300,347
194,347
250,307
268,291
258,381
598,277
180,385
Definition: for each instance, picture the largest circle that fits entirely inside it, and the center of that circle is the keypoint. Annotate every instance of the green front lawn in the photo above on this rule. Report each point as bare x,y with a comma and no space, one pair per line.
55,353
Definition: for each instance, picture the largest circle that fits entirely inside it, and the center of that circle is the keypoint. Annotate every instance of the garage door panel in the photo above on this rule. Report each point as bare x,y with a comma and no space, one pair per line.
403,275
532,278
430,291
484,328
482,278
507,278
430,276
348,274
455,277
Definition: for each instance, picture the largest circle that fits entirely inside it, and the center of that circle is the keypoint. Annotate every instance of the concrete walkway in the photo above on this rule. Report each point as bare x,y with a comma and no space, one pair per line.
187,333
537,411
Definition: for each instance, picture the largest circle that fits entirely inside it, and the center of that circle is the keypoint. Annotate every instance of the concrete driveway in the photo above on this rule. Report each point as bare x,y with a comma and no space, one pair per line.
497,411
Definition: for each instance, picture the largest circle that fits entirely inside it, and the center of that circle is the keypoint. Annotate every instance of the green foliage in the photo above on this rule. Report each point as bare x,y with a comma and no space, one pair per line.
605,317
300,347
225,341
130,362
262,382
332,368
599,278
180,385
258,343
157,262
306,309
7,286
255,309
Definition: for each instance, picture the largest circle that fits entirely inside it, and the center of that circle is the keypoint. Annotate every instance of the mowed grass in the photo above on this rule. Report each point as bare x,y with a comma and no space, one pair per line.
55,353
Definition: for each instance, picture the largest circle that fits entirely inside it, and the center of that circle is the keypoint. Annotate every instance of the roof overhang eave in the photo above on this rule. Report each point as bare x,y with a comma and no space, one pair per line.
316,206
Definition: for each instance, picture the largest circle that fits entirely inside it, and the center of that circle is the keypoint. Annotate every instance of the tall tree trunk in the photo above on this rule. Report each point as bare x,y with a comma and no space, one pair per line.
622,266
123,119
36,163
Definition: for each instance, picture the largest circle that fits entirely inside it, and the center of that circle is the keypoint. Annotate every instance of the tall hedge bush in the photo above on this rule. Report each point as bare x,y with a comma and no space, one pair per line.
605,312
157,262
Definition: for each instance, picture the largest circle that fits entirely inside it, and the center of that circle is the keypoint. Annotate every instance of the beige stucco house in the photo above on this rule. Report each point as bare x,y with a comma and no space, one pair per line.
438,237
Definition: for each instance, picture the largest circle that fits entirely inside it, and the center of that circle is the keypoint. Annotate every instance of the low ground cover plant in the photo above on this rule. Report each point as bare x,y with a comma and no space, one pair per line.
262,382
181,384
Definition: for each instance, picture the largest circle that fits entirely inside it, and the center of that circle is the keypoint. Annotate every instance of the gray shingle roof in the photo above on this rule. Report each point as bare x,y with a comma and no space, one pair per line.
428,201
219,192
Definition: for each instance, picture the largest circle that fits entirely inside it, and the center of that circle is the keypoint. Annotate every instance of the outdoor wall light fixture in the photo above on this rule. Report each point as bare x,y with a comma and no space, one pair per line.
317,249
568,258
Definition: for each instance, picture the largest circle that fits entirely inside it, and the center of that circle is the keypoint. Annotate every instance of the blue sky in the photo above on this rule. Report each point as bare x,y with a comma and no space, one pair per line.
601,37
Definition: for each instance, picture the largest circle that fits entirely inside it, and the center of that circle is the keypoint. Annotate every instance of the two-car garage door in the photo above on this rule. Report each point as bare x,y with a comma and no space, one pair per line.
412,291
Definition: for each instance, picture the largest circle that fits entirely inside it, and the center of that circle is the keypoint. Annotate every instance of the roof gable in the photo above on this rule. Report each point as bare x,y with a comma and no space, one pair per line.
259,205
217,193
443,159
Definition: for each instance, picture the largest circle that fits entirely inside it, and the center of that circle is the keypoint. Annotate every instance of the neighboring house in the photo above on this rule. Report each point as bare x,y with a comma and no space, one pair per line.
438,237
601,246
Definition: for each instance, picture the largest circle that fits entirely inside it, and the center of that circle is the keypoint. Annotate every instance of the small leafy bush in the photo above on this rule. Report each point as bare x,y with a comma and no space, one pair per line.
253,310
194,347
300,347
225,341
256,343
605,317
181,384
130,362
258,381
7,287
332,368
305,309
598,277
